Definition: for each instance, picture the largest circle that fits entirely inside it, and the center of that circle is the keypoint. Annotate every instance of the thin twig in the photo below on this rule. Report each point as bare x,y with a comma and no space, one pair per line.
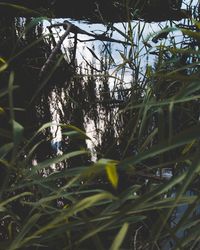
54,52
76,30
135,237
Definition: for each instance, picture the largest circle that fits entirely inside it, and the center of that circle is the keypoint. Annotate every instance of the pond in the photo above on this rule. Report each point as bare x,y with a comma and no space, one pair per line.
121,151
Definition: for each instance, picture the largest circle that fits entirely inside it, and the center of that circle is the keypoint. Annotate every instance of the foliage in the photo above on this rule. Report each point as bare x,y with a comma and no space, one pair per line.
122,200
99,10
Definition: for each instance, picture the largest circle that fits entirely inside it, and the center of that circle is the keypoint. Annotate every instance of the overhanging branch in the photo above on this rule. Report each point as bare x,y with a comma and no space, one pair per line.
101,11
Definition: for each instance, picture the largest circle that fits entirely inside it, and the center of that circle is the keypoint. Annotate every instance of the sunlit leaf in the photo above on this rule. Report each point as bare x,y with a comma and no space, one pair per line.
49,162
188,147
75,131
191,33
3,64
2,111
197,24
20,8
111,171
120,237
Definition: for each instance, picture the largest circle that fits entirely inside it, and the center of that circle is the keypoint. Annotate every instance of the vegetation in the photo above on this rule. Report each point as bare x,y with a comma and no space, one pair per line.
96,11
58,194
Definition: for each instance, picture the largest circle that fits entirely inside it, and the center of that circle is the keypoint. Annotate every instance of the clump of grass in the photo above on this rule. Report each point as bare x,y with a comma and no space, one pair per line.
122,200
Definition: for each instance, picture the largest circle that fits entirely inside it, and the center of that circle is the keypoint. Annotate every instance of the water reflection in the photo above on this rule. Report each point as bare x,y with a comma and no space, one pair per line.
107,76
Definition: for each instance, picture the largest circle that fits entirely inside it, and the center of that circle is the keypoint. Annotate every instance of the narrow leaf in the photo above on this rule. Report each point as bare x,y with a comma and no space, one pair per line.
111,171
119,238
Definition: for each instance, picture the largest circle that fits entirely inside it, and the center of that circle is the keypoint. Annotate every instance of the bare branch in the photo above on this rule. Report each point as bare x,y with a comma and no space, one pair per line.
101,37
54,52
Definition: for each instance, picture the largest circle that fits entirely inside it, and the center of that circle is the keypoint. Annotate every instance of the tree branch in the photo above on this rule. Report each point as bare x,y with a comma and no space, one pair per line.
101,37
54,52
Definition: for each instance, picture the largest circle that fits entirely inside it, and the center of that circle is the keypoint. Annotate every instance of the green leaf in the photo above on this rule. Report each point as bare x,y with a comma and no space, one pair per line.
188,147
2,111
20,8
4,203
164,31
5,149
81,205
34,22
179,140
4,163
192,34
71,133
120,237
91,201
75,129
4,91
18,130
20,239
60,158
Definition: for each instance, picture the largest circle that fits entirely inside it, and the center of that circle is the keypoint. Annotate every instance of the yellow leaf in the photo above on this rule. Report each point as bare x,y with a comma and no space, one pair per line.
188,147
191,33
1,111
111,171
149,71
196,23
66,206
3,64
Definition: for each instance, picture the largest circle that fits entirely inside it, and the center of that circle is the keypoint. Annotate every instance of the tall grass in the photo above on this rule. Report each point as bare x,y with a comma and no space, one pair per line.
120,201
